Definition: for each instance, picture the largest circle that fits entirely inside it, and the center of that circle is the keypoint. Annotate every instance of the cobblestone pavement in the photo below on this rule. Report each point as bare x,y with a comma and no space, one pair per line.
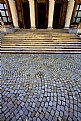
41,87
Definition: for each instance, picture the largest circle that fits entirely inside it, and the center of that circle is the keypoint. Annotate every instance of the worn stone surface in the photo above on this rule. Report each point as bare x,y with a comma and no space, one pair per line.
40,87
41,41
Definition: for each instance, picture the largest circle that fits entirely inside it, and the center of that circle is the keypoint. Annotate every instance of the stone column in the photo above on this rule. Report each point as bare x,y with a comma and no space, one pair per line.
51,13
32,13
13,13
69,13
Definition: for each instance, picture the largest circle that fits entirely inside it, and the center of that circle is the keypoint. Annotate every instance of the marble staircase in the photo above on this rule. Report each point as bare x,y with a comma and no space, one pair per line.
40,41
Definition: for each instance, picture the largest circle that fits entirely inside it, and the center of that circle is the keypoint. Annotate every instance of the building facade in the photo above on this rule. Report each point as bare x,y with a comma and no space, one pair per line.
40,14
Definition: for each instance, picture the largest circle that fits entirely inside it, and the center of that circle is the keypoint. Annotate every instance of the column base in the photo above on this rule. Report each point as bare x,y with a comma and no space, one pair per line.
33,28
50,28
16,27
66,28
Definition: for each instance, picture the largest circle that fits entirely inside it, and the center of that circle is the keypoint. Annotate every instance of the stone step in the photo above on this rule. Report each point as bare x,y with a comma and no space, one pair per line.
41,30
39,44
37,48
43,47
40,41
40,34
26,51
41,37
44,44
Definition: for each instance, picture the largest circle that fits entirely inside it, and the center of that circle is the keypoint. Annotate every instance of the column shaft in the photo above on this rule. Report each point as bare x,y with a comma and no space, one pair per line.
32,13
13,12
51,13
69,13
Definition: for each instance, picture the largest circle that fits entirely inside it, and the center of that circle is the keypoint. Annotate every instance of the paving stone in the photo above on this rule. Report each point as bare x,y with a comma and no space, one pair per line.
79,104
62,108
17,115
57,113
61,113
6,111
9,104
33,105
37,114
79,118
66,113
3,109
26,112
52,112
79,114
36,108
41,115
50,118
22,104
38,119
33,114
74,118
11,115
26,104
20,119
50,92
50,103
1,115
7,114
69,119
42,104
54,118
40,109
46,104
64,118
34,119
58,107
49,109
46,115
24,109
21,112
38,104
15,111
44,119
4,104
44,99
70,114
7,119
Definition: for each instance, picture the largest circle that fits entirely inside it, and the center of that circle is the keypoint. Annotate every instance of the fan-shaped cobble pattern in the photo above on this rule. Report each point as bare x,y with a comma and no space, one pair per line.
41,87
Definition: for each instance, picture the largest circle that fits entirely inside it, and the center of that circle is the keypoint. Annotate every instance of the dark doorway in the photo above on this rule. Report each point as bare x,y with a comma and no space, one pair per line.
26,13
56,16
41,15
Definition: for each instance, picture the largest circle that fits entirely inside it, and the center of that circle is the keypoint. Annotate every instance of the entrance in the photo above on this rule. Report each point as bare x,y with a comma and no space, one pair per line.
41,16
56,16
26,14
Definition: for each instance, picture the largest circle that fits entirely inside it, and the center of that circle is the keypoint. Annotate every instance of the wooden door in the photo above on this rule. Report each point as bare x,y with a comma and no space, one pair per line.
56,16
26,14
41,8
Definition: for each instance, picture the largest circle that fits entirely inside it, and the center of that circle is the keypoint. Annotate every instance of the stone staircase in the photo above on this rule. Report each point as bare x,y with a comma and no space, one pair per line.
40,41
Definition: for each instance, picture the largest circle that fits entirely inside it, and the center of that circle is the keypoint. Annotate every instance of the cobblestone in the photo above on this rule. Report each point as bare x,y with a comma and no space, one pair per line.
41,87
